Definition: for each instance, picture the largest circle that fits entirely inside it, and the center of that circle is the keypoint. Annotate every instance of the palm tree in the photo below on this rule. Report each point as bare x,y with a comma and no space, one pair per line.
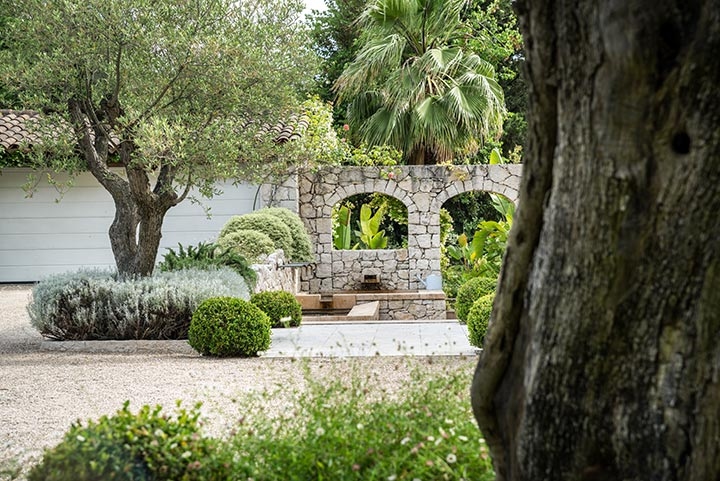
413,86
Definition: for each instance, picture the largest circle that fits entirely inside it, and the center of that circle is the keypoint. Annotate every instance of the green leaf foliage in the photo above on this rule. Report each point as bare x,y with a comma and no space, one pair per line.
146,446
98,305
179,94
478,319
342,233
250,244
413,86
301,247
207,255
281,307
229,327
471,291
370,234
266,223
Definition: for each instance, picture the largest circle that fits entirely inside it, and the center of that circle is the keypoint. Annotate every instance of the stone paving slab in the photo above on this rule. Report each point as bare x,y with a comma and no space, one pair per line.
319,340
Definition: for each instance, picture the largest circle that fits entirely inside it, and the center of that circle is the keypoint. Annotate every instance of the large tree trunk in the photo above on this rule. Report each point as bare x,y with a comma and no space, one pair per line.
136,229
603,361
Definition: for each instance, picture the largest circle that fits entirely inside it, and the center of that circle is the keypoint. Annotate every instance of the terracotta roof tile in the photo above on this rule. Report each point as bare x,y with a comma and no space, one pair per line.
16,129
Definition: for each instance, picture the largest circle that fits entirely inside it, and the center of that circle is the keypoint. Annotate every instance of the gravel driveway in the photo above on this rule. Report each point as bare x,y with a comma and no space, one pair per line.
42,392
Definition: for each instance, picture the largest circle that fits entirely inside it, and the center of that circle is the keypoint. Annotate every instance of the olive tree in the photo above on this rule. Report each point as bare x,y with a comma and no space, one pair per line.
175,93
602,361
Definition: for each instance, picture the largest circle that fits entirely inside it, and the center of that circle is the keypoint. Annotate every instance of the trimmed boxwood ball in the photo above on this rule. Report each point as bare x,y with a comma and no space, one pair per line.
302,249
250,244
479,318
268,224
278,305
226,326
471,291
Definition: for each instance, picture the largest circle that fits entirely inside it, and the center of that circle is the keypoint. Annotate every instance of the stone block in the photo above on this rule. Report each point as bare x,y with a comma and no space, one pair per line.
323,271
326,285
325,239
424,241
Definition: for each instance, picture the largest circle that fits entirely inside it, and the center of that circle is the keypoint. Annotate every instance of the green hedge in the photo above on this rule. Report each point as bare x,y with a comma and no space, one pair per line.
469,292
279,305
248,243
268,224
145,446
479,319
302,248
96,305
226,326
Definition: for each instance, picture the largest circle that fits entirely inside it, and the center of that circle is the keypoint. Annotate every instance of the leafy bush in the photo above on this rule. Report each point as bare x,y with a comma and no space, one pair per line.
348,429
96,305
478,319
279,305
469,292
226,326
247,243
268,224
302,249
208,255
143,446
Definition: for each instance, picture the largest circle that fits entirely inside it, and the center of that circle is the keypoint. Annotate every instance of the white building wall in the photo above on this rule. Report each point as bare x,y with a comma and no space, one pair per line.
51,233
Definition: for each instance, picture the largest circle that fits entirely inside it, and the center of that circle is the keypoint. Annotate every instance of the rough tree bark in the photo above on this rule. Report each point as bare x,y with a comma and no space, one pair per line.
140,208
603,361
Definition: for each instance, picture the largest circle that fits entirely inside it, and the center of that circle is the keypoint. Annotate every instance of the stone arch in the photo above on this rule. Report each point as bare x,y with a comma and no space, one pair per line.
404,200
422,189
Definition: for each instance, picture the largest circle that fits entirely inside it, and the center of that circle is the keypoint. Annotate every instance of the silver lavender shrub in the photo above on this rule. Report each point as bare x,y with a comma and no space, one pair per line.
96,305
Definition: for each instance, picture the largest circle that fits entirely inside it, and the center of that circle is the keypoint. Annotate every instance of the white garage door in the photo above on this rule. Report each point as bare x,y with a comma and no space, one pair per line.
41,235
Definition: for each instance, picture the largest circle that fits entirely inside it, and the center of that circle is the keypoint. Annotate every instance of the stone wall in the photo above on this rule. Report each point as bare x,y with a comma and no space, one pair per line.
422,189
272,276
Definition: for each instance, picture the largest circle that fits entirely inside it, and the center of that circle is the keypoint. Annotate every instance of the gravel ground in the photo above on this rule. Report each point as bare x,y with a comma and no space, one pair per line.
42,393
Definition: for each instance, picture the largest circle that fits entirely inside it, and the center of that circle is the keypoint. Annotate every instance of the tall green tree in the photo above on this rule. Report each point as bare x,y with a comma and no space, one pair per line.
335,32
493,34
166,89
413,86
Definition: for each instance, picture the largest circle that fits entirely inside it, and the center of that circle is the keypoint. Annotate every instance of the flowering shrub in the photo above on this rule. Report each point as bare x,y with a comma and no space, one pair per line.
341,429
332,428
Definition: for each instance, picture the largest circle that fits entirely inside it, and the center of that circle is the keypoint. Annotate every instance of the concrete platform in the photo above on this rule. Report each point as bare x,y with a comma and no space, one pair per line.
441,338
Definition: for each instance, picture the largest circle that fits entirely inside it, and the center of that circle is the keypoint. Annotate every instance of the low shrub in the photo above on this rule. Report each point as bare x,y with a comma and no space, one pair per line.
279,305
148,445
268,224
301,246
207,255
226,326
97,305
341,428
479,318
248,243
471,291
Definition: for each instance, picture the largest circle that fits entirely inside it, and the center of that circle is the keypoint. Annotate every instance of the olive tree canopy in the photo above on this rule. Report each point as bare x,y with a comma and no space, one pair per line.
173,92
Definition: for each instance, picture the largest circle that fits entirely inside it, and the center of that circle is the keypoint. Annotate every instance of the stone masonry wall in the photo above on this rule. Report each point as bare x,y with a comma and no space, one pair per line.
423,190
271,276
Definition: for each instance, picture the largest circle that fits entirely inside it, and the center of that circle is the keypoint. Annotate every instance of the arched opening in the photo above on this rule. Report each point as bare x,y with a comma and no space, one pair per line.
473,235
369,221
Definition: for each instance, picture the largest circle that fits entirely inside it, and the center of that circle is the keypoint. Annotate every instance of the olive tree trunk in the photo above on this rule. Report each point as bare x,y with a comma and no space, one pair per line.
603,357
140,207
